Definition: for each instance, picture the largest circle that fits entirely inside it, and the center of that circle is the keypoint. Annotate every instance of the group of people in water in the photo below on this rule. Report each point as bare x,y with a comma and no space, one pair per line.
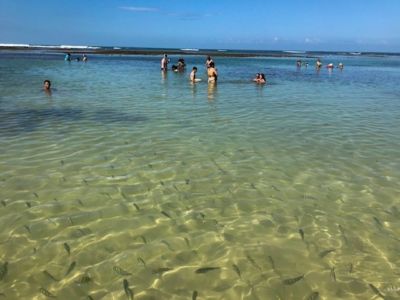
212,72
260,78
318,65
68,57
47,83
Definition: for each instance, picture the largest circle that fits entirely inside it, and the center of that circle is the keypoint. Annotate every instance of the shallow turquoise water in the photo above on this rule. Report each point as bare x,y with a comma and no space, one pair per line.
143,171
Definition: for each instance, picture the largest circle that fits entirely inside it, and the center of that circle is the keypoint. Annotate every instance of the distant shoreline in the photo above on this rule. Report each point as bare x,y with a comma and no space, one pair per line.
102,51
198,52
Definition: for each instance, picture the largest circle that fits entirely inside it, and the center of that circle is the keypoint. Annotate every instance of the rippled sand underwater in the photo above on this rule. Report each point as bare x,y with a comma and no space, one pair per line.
116,188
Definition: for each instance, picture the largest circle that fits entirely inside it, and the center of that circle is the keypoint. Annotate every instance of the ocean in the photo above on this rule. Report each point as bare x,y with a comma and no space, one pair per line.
129,182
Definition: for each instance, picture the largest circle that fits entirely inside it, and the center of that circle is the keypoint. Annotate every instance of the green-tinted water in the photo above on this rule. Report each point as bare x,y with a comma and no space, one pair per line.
127,173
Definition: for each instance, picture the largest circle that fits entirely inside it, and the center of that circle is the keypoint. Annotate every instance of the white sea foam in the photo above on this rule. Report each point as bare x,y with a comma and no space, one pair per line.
43,46
47,46
295,52
76,47
189,49
14,45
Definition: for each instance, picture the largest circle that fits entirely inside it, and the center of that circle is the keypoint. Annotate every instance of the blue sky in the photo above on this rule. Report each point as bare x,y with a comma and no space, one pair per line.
350,25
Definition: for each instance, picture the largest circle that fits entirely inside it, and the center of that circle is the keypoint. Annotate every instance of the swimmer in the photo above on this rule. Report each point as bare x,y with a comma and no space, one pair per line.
330,66
262,79
212,73
341,66
193,75
257,78
84,58
47,87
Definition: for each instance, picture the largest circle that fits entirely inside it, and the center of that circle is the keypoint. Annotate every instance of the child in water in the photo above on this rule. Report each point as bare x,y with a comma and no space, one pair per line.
193,75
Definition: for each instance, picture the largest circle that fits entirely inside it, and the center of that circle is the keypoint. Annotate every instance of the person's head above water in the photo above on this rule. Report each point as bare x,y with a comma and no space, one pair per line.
46,84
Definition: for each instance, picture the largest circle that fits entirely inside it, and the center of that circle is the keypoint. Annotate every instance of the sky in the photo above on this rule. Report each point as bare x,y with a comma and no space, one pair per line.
331,25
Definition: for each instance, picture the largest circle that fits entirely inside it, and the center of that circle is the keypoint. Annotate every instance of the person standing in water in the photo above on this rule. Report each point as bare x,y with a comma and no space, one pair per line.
164,63
318,64
67,57
212,73
209,61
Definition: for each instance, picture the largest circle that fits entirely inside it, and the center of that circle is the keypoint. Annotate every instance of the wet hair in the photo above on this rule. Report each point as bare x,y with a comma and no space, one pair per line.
194,68
48,81
262,76
212,65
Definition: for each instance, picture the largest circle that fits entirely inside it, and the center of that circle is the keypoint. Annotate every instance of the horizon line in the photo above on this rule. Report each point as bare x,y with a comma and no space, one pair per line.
99,47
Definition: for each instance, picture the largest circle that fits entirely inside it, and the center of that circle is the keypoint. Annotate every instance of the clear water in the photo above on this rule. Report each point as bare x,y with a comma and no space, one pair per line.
133,169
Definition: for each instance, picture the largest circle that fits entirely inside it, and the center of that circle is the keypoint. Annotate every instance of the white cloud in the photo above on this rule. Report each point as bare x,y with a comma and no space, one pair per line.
139,9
